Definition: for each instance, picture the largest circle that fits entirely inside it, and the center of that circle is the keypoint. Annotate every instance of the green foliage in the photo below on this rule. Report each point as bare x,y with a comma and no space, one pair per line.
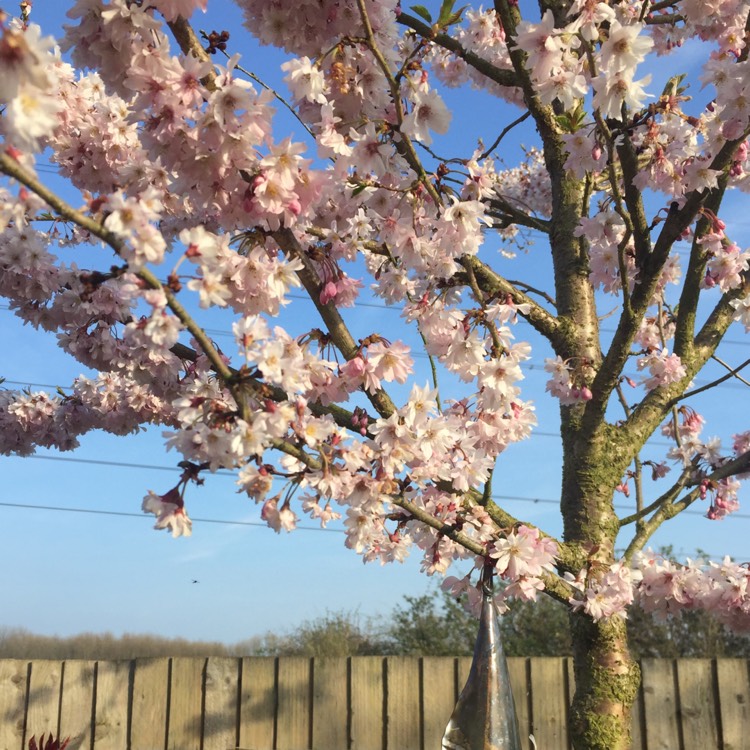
537,628
449,17
420,10
432,624
691,634
335,634
446,17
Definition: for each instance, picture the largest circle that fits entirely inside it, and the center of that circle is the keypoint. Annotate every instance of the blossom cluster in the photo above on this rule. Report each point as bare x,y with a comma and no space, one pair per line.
722,588
567,382
607,594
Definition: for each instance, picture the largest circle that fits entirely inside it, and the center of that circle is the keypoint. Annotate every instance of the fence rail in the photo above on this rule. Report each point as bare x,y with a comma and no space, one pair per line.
360,703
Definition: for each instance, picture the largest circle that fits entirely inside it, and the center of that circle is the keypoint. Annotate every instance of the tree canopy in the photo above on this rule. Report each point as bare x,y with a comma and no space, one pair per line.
204,207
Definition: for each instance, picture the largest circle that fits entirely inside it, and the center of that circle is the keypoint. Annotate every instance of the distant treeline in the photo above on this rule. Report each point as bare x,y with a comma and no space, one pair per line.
429,625
19,643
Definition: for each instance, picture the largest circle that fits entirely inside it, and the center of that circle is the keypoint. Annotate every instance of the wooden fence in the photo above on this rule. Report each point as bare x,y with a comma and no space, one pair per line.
362,703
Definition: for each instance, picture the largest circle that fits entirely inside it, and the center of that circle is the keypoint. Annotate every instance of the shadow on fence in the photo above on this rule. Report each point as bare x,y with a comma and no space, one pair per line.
359,703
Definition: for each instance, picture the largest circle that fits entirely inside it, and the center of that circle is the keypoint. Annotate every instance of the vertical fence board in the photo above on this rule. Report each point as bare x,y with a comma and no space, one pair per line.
149,720
293,718
438,697
13,677
517,673
402,703
734,697
463,669
330,704
660,705
112,689
636,723
44,698
367,717
697,704
548,704
77,704
185,704
571,674
220,721
258,703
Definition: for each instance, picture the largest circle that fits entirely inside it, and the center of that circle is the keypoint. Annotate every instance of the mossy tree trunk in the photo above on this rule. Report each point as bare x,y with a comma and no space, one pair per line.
607,682
606,677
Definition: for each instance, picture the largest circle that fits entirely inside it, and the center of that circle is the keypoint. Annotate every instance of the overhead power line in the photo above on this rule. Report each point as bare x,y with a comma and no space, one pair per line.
219,472
392,308
97,512
227,473
258,524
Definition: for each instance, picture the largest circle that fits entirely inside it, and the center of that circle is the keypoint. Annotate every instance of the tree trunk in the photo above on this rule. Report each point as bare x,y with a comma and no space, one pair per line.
606,677
607,682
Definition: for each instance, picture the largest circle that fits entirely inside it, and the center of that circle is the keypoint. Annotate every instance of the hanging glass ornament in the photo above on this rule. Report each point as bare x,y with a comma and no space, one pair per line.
485,716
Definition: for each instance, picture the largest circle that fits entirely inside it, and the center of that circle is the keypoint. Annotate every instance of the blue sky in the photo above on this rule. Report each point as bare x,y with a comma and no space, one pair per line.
70,571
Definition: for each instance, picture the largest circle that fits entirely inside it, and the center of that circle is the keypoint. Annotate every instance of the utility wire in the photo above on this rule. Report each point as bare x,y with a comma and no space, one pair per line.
540,433
96,512
225,473
395,308
91,511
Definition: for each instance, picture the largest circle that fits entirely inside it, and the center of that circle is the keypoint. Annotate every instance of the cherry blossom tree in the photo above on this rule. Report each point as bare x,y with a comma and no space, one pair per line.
203,205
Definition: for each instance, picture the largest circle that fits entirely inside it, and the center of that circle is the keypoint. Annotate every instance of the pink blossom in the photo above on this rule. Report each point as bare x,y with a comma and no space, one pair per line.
26,60
390,362
278,518
428,113
523,553
665,369
562,384
172,9
613,89
170,513
542,45
306,80
625,47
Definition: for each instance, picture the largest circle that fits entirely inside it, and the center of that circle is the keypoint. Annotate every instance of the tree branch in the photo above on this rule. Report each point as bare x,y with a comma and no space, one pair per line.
342,417
554,586
495,285
504,132
189,43
512,215
663,499
337,329
13,169
739,465
654,406
404,146
501,76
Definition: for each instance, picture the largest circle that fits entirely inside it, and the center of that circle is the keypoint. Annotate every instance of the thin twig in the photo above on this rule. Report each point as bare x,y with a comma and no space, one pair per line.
262,83
407,149
738,465
340,334
504,132
731,374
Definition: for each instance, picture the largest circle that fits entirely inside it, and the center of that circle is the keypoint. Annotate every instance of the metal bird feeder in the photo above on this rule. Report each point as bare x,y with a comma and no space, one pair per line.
485,716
